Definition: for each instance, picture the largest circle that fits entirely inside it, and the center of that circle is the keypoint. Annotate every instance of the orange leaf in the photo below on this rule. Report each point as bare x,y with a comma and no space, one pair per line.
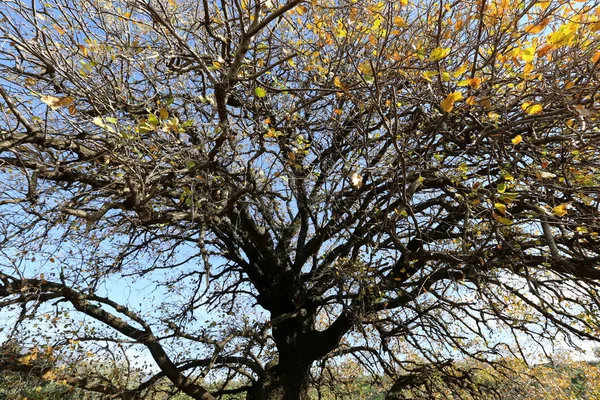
301,10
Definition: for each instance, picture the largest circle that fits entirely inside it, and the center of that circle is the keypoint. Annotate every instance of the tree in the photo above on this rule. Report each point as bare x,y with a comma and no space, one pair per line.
401,183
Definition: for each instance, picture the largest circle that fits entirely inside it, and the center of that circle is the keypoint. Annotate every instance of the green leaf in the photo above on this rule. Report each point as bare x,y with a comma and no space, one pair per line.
145,128
189,164
153,119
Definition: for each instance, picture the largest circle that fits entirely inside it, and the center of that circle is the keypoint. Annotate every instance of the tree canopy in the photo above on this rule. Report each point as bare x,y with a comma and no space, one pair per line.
286,186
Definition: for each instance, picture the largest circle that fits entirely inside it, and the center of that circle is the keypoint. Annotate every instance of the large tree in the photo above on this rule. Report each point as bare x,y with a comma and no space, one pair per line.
296,184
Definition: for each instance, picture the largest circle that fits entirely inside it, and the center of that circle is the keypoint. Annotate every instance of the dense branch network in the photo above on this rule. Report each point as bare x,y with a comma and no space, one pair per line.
371,185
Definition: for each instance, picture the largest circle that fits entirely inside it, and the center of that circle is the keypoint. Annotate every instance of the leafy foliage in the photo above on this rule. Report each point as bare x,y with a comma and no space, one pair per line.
286,185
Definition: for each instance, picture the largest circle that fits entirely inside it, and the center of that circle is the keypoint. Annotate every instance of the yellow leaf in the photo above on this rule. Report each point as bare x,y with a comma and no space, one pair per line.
446,76
456,96
471,101
564,35
561,210
527,69
49,376
460,71
399,22
500,207
501,219
473,82
25,360
517,139
376,24
528,54
438,53
338,83
595,57
448,103
260,92
428,74
494,116
341,31
530,108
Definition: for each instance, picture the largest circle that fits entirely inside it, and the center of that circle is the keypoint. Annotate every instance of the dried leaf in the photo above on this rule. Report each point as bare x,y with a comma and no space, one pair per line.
301,10
545,175
56,102
357,180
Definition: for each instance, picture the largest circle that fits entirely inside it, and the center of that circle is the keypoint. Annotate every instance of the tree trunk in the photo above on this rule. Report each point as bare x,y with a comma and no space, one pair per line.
282,382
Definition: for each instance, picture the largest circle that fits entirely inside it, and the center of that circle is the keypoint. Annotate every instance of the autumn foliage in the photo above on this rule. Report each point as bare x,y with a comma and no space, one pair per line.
254,192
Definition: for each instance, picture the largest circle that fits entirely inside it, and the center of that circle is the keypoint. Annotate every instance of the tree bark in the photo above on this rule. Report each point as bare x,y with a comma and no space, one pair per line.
282,382
287,378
